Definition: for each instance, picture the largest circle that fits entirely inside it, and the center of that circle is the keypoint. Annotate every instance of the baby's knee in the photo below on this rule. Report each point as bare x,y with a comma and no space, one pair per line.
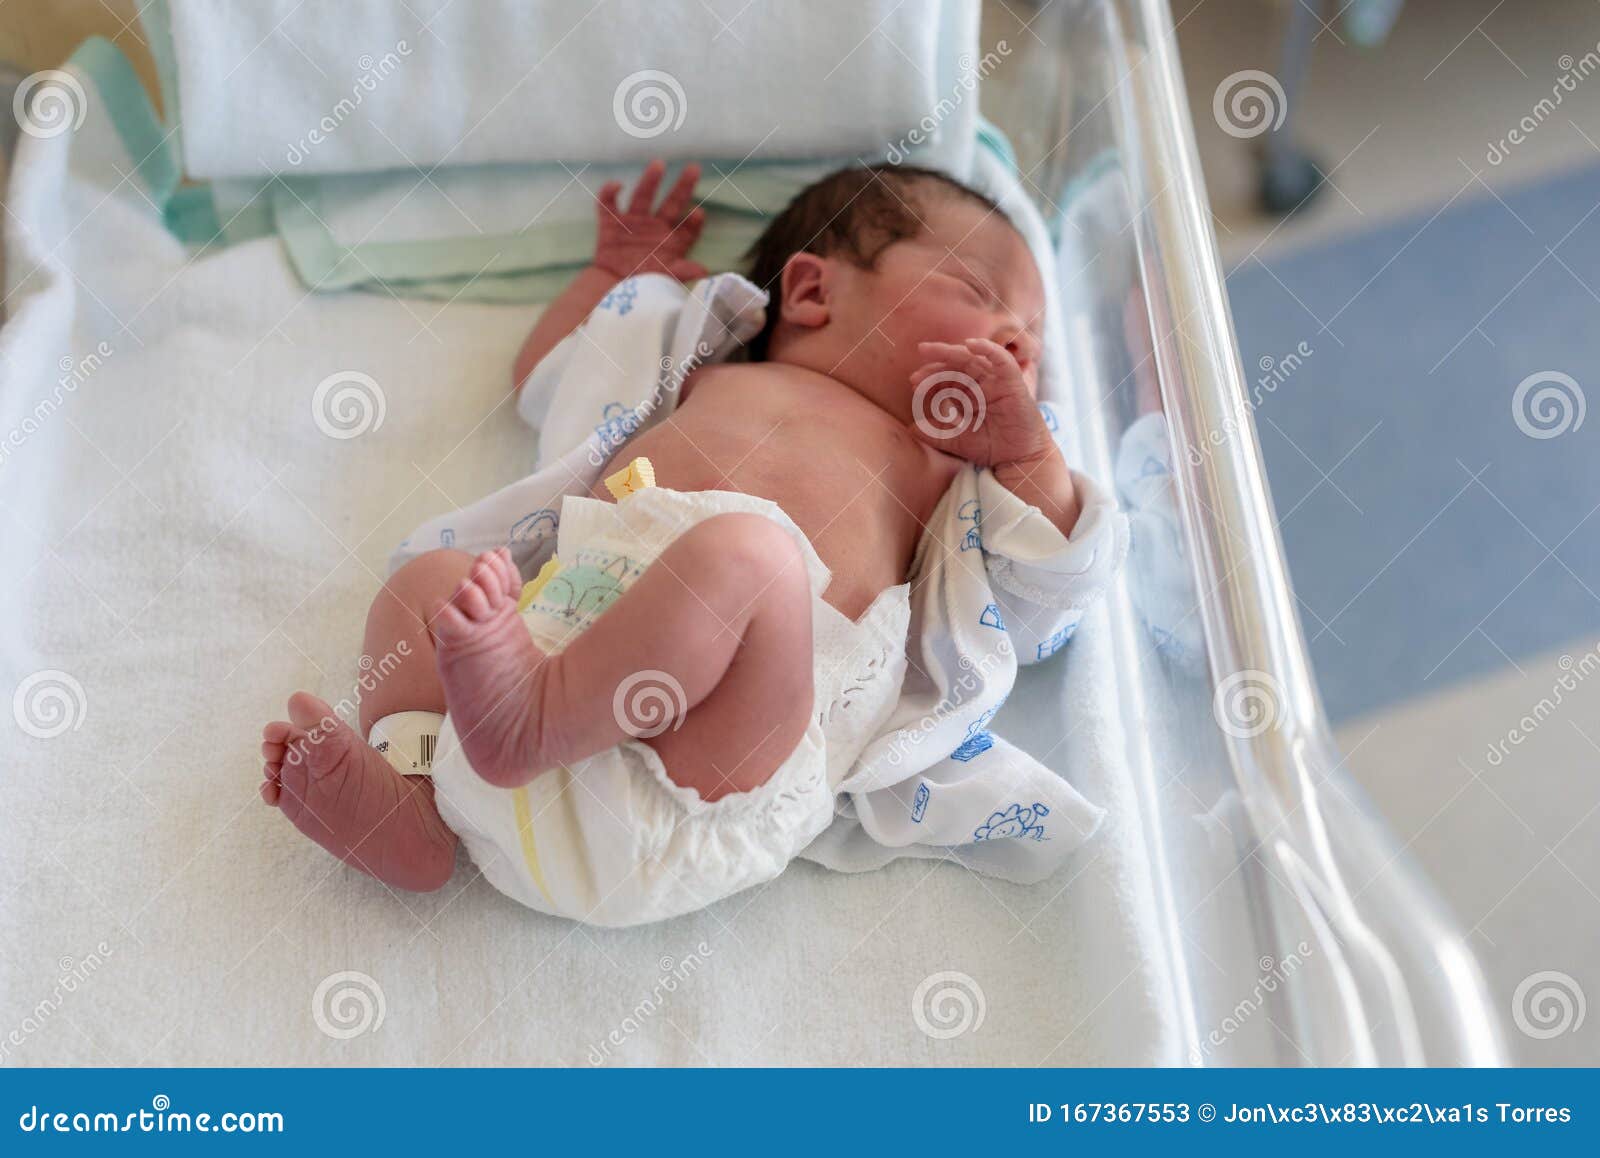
428,579
754,551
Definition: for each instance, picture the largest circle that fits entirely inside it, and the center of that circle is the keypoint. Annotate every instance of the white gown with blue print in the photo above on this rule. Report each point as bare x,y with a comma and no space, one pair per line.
994,584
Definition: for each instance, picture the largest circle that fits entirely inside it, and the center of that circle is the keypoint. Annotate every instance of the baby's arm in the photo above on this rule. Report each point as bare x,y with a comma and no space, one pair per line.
638,239
1052,540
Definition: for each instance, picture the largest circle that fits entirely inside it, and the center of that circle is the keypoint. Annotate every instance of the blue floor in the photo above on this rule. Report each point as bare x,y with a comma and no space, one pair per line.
1424,557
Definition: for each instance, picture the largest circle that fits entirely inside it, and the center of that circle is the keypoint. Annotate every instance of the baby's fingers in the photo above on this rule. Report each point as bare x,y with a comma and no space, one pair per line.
644,193
689,228
945,351
606,199
676,202
930,369
999,359
988,349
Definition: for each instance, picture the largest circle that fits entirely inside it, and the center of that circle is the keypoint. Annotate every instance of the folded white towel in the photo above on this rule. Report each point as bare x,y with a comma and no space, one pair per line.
366,85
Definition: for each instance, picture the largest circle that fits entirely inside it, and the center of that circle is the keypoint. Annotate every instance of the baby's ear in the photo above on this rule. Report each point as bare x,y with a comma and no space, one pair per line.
804,289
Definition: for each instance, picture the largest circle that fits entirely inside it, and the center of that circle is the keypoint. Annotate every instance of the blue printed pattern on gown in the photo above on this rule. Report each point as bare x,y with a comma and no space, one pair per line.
971,512
534,528
621,298
1014,820
978,740
1056,642
618,423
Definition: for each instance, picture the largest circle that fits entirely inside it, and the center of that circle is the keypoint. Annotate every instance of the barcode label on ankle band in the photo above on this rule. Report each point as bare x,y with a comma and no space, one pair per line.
426,754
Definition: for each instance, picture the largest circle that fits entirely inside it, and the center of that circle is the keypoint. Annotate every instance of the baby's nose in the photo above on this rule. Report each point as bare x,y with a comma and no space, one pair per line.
1024,348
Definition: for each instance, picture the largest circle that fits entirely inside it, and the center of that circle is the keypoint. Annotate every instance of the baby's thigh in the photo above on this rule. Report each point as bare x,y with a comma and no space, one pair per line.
746,727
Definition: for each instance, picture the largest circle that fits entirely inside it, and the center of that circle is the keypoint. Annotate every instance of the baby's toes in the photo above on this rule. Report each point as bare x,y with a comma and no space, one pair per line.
507,570
471,599
498,578
490,581
448,625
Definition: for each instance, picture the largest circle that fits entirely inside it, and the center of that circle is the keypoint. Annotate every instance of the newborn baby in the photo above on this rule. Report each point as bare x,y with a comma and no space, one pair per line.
791,494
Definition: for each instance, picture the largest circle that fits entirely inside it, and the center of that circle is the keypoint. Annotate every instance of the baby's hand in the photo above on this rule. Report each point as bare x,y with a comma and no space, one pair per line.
640,239
972,400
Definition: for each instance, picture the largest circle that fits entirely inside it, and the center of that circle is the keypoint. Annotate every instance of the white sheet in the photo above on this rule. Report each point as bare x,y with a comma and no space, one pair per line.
281,86
188,546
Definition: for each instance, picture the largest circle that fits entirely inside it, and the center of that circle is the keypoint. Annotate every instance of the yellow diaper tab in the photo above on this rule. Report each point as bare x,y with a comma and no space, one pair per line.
637,475
531,589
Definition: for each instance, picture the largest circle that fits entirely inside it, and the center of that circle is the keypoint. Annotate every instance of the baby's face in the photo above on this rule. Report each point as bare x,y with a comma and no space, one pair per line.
967,274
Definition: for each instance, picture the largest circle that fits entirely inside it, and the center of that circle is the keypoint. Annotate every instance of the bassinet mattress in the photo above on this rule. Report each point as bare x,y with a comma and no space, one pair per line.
195,529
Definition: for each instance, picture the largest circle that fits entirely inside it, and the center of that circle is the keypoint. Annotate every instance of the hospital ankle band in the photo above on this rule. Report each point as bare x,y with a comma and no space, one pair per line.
407,740
637,475
531,589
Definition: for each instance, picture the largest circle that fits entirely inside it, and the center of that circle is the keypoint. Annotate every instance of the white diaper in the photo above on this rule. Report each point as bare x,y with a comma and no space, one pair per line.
612,840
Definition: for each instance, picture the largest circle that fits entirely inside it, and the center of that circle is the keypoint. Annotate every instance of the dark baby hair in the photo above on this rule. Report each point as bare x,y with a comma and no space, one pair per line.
855,212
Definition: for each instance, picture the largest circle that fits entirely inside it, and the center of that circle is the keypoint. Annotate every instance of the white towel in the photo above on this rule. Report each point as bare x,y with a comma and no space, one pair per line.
365,85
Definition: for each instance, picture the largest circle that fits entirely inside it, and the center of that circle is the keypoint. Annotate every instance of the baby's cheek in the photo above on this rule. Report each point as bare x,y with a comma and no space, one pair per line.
922,318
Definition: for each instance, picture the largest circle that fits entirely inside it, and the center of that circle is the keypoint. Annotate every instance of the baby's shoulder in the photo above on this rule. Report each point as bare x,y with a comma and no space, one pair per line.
717,377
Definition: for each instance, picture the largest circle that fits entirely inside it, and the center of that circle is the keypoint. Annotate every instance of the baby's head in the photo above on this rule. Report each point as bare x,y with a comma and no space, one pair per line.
869,261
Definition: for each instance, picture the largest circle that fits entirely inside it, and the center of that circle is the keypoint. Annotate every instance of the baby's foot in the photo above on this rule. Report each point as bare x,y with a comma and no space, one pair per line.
490,671
345,796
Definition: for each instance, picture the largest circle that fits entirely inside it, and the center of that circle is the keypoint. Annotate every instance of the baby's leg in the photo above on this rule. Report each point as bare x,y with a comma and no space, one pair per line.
710,650
340,791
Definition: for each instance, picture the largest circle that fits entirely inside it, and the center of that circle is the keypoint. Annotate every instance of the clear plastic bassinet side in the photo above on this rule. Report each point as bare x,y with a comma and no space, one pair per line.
1299,930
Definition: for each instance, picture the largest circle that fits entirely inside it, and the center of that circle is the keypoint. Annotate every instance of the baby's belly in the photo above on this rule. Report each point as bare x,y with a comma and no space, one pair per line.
864,536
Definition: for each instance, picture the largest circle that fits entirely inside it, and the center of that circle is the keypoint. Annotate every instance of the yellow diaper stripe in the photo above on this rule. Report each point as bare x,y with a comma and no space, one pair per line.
530,852
636,476
531,589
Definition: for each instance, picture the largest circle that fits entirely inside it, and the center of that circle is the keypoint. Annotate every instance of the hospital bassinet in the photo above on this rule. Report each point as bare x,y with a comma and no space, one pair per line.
1274,918
1304,867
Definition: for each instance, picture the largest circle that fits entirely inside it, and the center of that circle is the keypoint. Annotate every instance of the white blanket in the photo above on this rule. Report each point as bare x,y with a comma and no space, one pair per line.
283,86
185,544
